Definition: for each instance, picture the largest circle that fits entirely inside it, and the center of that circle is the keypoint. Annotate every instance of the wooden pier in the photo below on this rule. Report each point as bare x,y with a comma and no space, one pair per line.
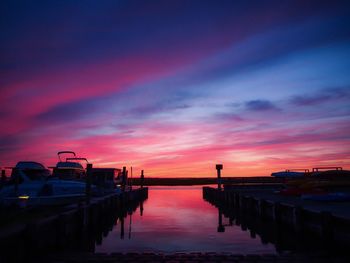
66,227
194,257
330,221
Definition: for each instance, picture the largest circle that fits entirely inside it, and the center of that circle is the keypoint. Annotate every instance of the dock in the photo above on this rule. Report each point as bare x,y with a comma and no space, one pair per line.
329,221
66,228
195,257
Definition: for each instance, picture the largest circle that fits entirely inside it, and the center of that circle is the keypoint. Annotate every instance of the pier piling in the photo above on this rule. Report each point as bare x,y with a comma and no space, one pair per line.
218,169
3,176
124,179
301,219
88,182
74,225
142,178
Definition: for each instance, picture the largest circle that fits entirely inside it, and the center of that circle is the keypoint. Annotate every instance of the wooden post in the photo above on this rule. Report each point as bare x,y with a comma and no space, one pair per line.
326,226
16,178
142,178
277,212
124,179
88,182
122,225
298,219
3,176
237,200
255,206
141,208
130,181
221,227
218,170
262,208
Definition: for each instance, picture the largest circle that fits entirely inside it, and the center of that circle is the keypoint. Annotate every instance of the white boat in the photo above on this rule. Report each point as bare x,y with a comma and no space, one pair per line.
106,180
31,184
70,169
295,173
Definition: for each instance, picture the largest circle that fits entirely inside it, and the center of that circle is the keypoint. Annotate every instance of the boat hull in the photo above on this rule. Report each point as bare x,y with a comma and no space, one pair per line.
26,201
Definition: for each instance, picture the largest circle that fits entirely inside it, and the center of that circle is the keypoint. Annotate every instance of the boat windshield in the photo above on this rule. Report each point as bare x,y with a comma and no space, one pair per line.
36,174
69,174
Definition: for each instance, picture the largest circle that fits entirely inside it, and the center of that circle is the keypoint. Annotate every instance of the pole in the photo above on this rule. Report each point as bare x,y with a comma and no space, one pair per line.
142,178
221,227
16,178
122,227
141,208
124,179
130,177
88,182
130,222
218,170
3,176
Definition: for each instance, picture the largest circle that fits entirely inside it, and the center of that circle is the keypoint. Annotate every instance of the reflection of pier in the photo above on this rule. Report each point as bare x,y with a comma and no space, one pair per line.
76,227
221,226
128,213
284,239
287,226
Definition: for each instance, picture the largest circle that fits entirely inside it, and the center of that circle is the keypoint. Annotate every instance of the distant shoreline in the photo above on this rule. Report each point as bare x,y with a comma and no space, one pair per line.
203,181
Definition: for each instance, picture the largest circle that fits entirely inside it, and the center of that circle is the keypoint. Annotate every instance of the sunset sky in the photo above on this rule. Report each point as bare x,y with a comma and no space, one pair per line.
173,87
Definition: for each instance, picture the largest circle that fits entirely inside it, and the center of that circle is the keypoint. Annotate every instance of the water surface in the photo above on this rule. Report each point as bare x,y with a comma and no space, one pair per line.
177,219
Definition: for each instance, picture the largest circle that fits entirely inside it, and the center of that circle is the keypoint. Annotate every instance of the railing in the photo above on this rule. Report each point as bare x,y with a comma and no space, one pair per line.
298,169
337,168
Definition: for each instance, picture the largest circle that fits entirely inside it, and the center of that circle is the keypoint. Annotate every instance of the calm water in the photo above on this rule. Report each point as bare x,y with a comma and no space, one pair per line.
177,219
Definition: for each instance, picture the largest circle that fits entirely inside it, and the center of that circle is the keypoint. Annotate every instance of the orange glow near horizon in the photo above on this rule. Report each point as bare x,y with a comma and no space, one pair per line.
193,150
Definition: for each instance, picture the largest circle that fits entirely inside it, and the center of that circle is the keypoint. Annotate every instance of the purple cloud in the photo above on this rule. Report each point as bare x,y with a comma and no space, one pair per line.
260,105
322,96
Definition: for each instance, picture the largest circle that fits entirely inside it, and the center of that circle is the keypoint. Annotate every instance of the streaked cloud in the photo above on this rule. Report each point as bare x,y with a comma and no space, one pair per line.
173,87
260,105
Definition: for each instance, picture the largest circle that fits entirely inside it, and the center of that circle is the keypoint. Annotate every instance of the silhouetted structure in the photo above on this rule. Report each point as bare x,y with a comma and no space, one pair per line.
218,169
88,182
124,179
142,179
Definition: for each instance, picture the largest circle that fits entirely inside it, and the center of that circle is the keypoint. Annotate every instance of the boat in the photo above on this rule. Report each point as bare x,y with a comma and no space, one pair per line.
31,185
106,180
291,173
335,172
70,168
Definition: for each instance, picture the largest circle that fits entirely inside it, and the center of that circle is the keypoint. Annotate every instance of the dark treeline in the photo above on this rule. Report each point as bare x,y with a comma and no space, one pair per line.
203,181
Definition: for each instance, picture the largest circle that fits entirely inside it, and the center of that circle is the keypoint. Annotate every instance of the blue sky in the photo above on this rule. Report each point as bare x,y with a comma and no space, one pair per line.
175,86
